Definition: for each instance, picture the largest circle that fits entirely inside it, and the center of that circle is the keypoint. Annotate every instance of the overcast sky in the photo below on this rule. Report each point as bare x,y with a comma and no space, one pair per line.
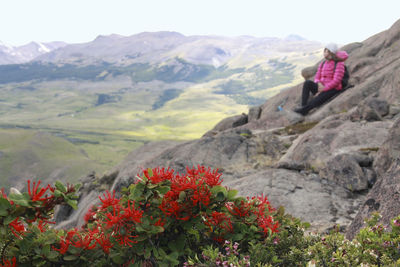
77,21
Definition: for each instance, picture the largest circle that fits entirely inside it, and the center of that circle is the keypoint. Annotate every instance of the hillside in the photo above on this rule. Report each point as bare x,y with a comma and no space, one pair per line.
113,94
335,166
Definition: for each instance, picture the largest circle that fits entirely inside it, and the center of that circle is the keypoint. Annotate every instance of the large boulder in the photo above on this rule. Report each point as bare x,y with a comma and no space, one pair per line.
303,195
385,195
331,137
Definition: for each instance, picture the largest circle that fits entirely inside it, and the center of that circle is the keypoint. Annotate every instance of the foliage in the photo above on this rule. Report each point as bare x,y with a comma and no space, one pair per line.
162,219
374,245
169,219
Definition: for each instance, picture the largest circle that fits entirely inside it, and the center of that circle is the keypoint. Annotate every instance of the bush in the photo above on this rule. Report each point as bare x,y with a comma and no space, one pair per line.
168,219
160,220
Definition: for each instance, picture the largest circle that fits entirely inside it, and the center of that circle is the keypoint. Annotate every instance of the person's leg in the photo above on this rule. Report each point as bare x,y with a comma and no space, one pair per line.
308,86
320,99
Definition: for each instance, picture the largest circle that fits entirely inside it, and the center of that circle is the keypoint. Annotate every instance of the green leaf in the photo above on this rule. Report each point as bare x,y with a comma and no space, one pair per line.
163,189
173,258
61,187
52,255
20,199
156,253
70,257
4,206
57,193
46,250
136,191
73,203
219,192
9,219
77,186
147,253
231,194
116,258
182,196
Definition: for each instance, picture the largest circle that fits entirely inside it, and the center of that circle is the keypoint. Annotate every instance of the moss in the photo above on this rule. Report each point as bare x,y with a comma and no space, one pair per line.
299,128
369,149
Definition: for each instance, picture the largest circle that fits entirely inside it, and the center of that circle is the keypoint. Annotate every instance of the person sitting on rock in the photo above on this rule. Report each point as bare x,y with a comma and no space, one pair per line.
327,82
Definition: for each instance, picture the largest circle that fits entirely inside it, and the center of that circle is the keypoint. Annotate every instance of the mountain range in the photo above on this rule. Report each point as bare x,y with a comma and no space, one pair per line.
25,53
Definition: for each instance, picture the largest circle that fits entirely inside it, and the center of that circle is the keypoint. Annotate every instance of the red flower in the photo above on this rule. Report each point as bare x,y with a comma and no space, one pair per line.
64,245
105,243
7,263
89,216
85,241
108,200
210,177
122,222
17,228
66,241
131,214
159,175
114,219
126,240
36,194
268,225
42,225
220,220
242,210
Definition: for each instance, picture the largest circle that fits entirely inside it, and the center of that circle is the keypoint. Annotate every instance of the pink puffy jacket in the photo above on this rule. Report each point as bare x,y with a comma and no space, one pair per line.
330,77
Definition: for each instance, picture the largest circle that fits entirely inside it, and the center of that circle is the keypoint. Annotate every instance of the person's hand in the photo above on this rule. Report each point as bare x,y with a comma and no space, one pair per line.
320,88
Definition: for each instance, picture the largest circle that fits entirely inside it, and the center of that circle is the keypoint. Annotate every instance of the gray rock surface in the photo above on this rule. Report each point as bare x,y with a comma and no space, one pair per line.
384,197
303,195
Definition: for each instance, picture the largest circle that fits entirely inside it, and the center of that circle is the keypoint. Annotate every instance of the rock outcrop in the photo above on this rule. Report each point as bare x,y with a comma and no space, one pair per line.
334,166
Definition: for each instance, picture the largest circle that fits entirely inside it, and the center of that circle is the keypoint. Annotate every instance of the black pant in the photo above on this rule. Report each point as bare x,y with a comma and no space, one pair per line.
321,98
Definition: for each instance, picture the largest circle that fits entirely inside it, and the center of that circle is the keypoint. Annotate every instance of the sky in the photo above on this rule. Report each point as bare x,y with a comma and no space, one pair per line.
78,21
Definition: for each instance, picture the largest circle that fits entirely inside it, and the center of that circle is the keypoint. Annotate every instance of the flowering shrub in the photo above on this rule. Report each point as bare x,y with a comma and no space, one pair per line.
169,219
160,220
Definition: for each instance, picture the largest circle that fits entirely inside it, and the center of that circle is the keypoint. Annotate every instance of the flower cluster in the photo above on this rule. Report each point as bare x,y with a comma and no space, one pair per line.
153,220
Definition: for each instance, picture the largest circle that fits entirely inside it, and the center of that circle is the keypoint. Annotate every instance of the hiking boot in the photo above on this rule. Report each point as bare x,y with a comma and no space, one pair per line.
301,111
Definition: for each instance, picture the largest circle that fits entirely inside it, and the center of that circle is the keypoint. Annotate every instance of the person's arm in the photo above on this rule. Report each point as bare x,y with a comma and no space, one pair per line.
337,77
317,78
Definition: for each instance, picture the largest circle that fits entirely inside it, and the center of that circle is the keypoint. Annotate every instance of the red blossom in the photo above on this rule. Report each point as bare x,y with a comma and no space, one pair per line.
89,216
159,175
109,200
132,214
85,241
7,263
64,245
105,243
219,220
122,222
268,224
42,225
241,210
126,240
211,178
36,194
17,228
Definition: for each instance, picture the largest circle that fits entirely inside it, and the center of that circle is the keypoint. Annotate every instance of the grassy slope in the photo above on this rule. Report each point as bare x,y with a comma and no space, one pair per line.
33,154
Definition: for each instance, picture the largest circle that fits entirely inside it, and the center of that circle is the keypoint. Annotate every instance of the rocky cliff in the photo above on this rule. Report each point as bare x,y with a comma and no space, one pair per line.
334,166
